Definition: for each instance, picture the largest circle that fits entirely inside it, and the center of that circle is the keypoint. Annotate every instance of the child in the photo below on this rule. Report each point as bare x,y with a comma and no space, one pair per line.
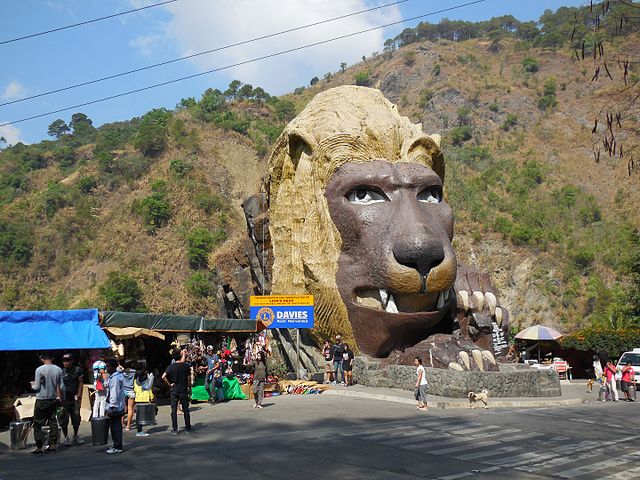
142,387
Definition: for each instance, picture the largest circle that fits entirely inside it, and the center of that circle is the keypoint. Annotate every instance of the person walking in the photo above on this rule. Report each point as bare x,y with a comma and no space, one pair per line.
627,379
259,377
347,365
128,376
178,377
212,363
610,373
46,383
421,385
142,386
328,361
338,352
115,405
72,383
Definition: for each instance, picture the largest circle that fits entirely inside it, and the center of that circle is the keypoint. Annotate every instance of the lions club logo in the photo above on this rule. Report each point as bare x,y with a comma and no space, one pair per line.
266,316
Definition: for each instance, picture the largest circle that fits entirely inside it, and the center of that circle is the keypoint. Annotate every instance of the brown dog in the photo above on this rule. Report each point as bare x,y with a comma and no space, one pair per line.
483,397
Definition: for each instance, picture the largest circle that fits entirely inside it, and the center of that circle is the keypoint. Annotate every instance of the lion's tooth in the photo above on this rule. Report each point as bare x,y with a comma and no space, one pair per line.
391,305
384,297
441,300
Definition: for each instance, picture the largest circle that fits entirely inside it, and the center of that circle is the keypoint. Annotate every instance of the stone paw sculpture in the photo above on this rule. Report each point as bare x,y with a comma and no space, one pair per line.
479,316
449,352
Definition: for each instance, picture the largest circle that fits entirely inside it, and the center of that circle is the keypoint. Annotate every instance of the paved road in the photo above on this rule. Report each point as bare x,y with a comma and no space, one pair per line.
330,436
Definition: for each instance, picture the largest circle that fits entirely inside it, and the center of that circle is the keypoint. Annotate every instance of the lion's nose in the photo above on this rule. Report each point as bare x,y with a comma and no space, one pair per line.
419,255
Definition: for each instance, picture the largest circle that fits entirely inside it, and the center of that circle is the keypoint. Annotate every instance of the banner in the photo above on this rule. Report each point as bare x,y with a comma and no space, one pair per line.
283,311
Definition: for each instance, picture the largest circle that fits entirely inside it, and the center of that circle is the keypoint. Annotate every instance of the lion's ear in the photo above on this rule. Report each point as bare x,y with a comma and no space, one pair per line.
301,149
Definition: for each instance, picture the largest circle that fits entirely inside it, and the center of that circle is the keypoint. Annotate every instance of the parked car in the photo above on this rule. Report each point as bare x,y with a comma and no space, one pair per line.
634,357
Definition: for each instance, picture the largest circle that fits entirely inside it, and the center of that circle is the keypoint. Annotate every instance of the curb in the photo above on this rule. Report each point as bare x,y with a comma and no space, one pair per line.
458,404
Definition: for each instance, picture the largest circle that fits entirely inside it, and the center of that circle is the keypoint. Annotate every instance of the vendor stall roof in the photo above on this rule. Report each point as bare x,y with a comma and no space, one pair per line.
132,332
51,330
177,323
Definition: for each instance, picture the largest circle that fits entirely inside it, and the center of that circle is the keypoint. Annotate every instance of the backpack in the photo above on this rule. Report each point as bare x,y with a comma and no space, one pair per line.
143,395
100,386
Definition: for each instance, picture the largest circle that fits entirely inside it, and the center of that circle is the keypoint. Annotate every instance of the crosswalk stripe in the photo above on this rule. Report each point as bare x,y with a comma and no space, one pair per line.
601,465
497,451
456,447
566,449
623,475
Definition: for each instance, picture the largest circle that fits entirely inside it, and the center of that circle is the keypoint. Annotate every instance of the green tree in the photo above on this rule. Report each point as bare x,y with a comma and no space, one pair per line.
313,81
200,242
58,128
16,243
82,127
285,110
151,139
343,67
530,64
232,91
121,292
245,92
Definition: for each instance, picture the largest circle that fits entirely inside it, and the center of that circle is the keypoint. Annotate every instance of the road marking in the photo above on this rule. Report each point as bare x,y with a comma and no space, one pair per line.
601,465
623,475
496,451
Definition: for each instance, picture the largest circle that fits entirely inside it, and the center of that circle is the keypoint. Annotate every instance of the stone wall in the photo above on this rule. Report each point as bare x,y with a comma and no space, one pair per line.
453,383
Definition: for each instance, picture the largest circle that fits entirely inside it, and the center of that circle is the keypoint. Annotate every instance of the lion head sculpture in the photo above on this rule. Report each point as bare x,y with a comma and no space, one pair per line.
357,217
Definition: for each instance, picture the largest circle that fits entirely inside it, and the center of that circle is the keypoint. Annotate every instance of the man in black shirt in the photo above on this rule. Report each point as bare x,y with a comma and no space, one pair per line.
72,381
178,377
338,352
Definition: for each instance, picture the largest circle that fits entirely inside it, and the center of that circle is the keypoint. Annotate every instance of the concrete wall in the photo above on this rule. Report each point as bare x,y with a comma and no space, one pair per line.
453,383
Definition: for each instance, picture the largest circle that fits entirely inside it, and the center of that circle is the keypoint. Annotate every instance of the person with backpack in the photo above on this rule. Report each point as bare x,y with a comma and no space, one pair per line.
115,405
142,386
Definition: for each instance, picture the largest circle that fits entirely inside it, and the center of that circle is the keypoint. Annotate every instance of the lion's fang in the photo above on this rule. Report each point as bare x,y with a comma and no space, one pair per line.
391,305
441,300
384,297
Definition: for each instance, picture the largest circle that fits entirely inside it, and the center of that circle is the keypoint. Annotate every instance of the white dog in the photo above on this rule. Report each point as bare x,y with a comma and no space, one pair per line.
483,397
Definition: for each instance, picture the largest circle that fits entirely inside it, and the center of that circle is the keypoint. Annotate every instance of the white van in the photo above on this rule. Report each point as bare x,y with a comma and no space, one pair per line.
634,357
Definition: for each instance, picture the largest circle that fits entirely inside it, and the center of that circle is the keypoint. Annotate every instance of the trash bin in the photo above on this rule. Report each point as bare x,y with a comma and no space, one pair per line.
100,430
631,391
19,432
145,414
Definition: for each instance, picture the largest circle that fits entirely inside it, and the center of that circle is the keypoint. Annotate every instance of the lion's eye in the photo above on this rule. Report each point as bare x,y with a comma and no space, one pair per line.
431,195
366,196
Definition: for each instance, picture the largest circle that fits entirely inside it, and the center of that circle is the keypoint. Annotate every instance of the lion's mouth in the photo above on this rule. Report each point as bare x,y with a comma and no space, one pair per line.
395,302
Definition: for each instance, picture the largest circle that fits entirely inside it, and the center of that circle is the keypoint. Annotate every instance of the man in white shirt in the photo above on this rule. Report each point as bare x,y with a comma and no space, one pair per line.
421,385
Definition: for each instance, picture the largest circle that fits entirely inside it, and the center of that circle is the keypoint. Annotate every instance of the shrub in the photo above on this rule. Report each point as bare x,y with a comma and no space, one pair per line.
208,202
530,65
510,121
362,79
16,243
180,168
212,102
285,110
494,107
66,157
459,135
426,95
521,235
152,132
464,116
409,58
199,244
200,285
55,197
184,138
121,292
154,210
435,71
503,225
548,98
87,184
314,80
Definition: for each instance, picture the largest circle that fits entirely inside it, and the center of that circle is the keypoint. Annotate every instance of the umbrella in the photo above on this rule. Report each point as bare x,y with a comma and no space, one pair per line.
539,333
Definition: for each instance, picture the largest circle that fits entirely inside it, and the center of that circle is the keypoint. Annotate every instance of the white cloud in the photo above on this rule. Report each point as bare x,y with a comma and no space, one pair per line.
10,133
13,91
198,26
146,43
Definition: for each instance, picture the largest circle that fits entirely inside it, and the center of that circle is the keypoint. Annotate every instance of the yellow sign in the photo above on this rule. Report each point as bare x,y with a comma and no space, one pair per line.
281,301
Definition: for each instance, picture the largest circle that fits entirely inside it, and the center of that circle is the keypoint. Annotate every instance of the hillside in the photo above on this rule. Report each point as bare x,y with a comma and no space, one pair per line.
139,214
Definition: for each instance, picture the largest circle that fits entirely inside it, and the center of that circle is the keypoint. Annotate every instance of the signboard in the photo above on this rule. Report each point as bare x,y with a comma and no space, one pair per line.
283,311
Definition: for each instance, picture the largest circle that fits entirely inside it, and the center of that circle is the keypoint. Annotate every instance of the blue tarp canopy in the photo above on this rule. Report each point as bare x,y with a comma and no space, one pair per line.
51,330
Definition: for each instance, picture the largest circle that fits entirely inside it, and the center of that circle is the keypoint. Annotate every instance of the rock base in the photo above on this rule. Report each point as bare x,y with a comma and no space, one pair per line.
456,384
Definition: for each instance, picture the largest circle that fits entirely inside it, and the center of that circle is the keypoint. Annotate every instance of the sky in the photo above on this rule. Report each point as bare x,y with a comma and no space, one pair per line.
185,27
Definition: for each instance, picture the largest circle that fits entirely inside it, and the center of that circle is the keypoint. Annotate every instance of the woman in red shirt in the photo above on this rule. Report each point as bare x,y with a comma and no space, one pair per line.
627,379
610,373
